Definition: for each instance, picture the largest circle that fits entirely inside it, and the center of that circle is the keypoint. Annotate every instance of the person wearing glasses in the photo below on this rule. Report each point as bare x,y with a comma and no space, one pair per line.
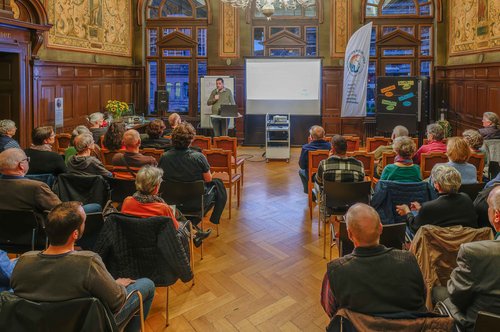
21,193
43,159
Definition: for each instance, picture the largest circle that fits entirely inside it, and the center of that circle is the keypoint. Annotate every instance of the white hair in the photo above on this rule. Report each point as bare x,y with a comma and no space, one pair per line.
148,178
83,142
10,159
448,178
6,126
94,118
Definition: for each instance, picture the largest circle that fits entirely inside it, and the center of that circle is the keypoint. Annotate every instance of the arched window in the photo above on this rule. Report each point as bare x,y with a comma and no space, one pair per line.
401,41
176,52
290,32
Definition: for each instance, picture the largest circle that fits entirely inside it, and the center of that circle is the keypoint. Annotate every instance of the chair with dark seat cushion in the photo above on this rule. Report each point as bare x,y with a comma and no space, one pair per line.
21,231
83,188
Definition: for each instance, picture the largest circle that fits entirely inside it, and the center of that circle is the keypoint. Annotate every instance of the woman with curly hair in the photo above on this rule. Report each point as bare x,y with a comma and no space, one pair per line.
155,136
114,136
403,169
183,164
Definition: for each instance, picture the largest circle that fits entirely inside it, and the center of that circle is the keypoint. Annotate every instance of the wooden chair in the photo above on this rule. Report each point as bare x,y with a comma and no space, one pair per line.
220,164
203,142
168,137
477,159
368,160
107,157
388,158
155,153
124,173
426,141
314,157
231,144
62,142
101,141
352,143
372,143
428,160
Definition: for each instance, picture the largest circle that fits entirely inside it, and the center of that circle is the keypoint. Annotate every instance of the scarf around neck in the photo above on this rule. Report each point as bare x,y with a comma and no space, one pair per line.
144,199
43,147
401,160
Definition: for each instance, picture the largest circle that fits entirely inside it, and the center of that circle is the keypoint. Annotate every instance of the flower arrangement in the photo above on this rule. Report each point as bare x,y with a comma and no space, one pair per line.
446,127
116,108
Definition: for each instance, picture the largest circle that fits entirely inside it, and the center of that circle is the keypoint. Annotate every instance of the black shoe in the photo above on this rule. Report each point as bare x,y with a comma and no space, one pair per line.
203,235
197,242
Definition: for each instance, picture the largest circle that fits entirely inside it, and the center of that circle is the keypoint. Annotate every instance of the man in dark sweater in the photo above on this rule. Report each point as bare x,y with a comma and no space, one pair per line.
43,159
132,157
60,273
449,209
373,279
316,142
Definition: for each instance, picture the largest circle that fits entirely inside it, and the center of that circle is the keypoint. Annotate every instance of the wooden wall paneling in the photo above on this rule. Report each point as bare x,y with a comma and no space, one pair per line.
45,104
81,108
470,90
66,92
106,93
94,97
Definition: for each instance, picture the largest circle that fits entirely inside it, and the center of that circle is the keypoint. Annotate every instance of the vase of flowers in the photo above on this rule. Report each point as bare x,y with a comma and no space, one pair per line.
116,108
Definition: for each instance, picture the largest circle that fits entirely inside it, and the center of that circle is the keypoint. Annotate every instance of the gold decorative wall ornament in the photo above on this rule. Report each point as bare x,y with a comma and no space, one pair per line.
474,26
96,26
340,27
229,32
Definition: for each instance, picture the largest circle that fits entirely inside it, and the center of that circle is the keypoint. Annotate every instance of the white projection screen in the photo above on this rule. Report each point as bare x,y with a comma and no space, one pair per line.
283,86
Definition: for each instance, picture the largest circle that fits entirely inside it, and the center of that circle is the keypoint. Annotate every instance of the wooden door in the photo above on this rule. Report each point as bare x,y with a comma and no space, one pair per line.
10,88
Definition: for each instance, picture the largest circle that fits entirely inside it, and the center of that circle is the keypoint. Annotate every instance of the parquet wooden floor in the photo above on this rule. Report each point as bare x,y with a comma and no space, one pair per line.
264,271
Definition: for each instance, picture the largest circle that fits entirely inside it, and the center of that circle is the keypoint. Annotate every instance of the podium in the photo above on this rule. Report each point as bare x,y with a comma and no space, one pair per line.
225,128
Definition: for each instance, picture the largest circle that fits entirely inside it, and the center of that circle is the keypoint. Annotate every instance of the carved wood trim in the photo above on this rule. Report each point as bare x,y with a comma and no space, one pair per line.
141,10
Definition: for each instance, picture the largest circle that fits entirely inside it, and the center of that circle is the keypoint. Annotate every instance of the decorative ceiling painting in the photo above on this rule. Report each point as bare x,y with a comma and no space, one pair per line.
95,26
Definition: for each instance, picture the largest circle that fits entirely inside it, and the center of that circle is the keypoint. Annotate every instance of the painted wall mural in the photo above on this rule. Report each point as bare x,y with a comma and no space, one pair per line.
340,29
96,26
474,26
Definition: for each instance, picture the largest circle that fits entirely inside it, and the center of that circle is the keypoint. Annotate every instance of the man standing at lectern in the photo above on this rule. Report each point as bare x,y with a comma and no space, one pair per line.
220,96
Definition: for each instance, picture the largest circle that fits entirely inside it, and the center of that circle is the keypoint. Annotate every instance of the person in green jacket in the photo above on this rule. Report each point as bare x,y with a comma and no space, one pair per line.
220,96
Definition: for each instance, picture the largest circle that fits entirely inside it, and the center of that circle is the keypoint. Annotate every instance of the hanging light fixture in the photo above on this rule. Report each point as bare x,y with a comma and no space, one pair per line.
268,7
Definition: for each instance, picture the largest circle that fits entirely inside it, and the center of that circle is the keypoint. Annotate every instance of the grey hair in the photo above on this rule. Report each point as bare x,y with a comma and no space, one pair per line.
436,131
95,117
10,158
399,131
81,129
448,178
83,142
147,179
492,117
6,126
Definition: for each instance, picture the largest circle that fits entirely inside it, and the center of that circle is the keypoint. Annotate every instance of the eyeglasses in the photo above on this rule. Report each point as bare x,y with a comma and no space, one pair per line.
25,159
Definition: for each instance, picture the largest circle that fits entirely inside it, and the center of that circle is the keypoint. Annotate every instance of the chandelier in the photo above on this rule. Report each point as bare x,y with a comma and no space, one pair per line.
267,7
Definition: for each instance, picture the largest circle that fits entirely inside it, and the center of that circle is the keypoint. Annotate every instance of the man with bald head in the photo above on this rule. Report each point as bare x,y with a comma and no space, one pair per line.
18,192
132,157
474,284
373,279
316,142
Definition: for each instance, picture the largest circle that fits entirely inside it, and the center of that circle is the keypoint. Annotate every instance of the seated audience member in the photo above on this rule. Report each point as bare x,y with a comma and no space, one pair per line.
155,136
146,202
317,142
131,157
7,131
474,284
21,193
18,192
474,140
481,204
435,136
173,120
339,167
403,169
398,131
96,121
6,267
184,164
449,209
113,139
458,153
83,163
373,279
491,126
60,273
42,159
71,151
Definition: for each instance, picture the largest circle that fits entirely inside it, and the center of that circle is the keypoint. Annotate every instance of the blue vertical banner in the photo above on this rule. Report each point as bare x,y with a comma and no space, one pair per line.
356,62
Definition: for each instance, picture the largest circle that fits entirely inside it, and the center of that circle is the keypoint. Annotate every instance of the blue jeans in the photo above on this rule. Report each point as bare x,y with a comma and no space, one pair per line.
92,208
147,289
303,178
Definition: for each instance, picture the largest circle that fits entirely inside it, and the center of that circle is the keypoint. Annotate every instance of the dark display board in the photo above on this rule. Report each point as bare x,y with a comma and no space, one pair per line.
401,101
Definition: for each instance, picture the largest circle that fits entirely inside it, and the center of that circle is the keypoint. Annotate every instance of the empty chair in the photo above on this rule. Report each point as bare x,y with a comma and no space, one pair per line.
428,160
155,153
368,160
339,196
231,144
121,189
314,158
352,143
477,159
21,231
83,188
220,164
202,142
